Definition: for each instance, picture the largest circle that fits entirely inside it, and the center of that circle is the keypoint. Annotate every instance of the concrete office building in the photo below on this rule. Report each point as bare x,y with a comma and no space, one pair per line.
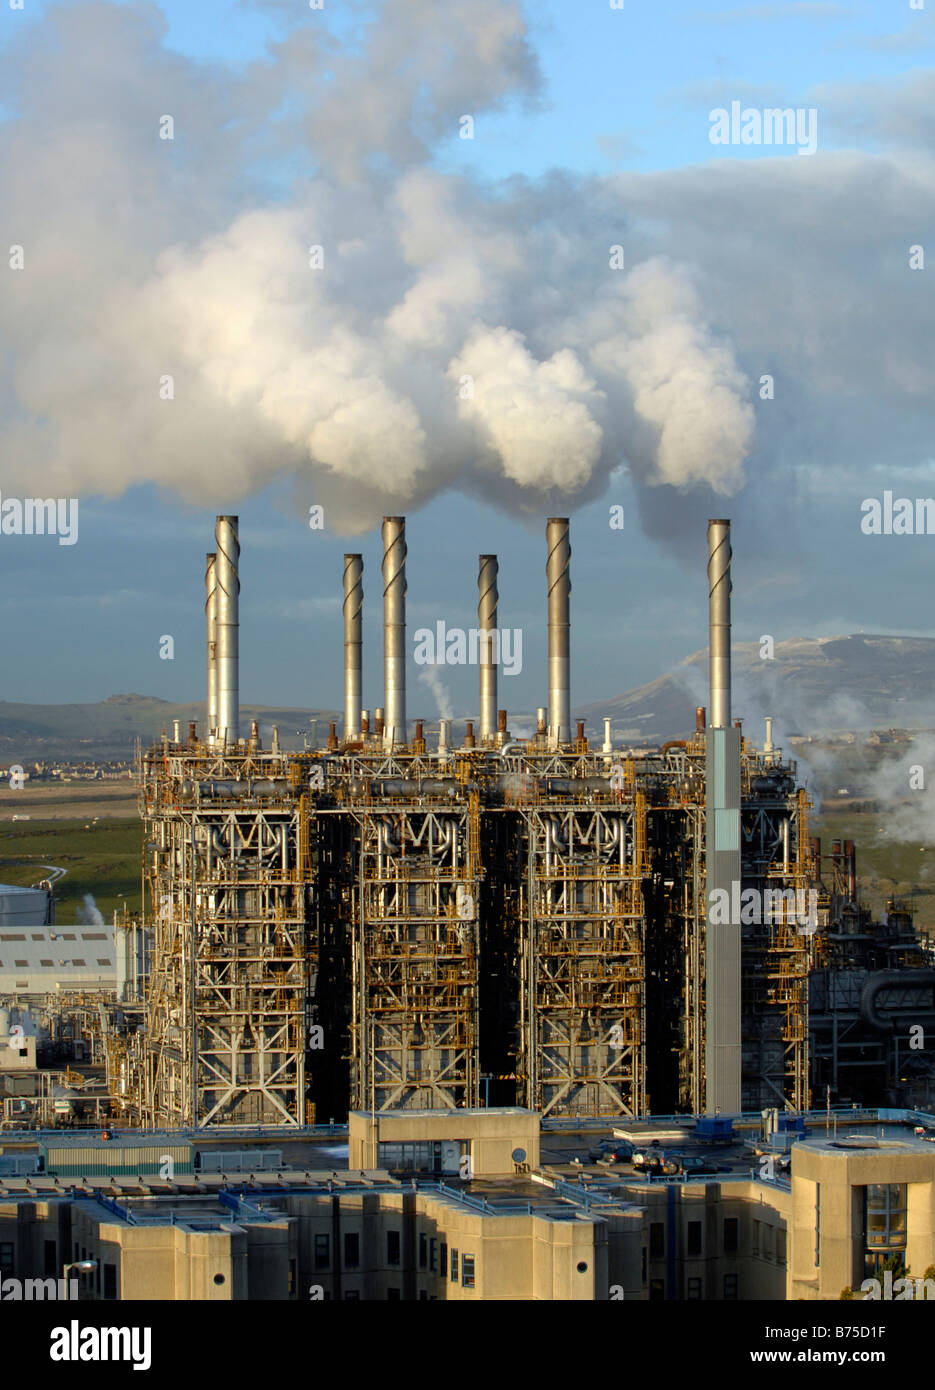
370,1234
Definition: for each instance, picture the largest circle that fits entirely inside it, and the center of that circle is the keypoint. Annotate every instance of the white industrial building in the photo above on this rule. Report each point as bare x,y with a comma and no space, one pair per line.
36,956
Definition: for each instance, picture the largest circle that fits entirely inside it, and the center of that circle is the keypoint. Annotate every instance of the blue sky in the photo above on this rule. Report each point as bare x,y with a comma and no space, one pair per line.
614,142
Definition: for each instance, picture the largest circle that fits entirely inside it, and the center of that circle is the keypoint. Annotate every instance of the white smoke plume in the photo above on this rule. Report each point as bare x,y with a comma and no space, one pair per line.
904,787
89,914
437,686
447,334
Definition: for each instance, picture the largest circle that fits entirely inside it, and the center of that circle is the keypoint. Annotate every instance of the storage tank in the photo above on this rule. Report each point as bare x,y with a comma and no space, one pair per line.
24,907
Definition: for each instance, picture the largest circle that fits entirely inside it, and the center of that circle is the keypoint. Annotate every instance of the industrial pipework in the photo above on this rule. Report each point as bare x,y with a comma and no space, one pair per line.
487,597
394,628
227,586
559,585
719,589
211,623
353,605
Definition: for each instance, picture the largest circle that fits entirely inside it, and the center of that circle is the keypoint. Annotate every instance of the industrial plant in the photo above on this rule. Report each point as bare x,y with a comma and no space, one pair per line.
393,921
456,950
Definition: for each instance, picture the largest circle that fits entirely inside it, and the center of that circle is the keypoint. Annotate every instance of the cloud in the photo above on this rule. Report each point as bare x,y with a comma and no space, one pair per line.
172,324
193,260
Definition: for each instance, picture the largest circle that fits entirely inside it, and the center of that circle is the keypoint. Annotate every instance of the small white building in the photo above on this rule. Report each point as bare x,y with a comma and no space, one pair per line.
36,956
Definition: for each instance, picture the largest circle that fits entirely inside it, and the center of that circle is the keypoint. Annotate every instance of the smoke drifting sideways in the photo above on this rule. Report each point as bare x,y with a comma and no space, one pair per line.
174,323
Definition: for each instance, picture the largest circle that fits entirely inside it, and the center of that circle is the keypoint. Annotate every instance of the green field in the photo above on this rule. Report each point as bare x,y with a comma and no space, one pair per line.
885,868
103,860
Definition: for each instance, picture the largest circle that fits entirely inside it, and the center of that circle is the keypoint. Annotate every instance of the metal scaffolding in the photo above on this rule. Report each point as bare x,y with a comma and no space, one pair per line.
230,883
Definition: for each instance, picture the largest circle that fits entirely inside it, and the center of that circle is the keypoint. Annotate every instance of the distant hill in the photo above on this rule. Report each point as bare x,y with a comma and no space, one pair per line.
108,728
812,685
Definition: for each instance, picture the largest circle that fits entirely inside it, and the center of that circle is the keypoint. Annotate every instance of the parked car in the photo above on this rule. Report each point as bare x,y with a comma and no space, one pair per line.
611,1151
654,1163
702,1167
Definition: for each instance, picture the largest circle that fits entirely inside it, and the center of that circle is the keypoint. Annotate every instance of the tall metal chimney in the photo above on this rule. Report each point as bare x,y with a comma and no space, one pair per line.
722,1094
353,605
227,585
211,623
559,584
394,626
719,555
487,597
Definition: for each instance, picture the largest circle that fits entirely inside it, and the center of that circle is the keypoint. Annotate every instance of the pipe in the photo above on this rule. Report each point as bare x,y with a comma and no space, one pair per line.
768,744
211,623
487,598
353,605
850,868
719,589
608,746
227,581
394,625
559,588
892,979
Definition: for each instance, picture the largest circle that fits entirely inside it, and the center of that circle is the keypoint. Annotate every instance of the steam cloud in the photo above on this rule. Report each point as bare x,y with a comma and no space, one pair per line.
448,339
89,914
437,686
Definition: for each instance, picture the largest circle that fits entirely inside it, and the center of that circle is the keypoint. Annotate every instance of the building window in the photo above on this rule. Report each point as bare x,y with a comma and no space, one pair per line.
731,1232
353,1295
694,1238
7,1263
780,1245
392,1247
730,1288
657,1290
322,1252
423,1250
644,1265
351,1250
467,1271
657,1240
443,1259
693,1293
884,1223
433,1254
755,1249
817,1222
767,1241
50,1259
454,1266
110,1281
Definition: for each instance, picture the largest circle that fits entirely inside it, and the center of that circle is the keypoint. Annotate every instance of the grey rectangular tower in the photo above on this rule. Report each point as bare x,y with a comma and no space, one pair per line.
722,848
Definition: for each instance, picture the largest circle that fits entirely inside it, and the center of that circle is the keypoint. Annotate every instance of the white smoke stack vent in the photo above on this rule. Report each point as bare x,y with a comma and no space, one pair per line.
227,582
394,625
